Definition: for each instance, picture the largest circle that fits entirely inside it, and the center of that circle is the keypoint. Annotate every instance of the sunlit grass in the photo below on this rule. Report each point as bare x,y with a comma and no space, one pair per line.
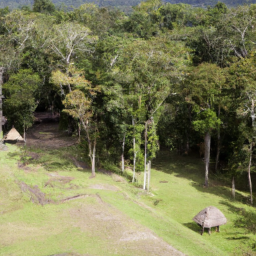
176,196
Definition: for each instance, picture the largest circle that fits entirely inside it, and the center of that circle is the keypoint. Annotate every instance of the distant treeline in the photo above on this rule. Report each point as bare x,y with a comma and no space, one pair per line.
124,5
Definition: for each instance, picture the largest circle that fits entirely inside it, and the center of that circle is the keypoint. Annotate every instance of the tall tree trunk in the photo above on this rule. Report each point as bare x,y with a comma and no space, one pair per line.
1,105
93,158
149,173
69,88
134,150
62,93
145,156
218,144
91,147
250,153
122,156
207,145
233,191
249,173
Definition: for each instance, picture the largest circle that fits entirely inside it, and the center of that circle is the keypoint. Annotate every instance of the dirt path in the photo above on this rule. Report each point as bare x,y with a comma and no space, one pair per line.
46,134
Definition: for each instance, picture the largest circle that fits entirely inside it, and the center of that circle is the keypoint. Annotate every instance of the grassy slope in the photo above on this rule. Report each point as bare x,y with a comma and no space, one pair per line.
31,229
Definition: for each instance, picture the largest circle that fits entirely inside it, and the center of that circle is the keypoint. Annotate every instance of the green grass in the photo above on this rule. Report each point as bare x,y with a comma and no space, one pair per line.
69,227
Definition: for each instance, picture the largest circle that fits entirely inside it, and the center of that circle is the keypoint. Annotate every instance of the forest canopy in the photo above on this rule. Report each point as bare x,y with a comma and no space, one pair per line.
169,75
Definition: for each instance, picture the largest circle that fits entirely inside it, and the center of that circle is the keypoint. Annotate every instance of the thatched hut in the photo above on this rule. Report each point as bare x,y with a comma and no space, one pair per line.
13,136
210,217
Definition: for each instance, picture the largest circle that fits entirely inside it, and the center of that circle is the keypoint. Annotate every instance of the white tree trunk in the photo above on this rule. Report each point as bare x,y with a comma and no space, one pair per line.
207,144
62,91
134,151
149,173
145,157
93,158
250,152
91,147
1,106
69,88
233,191
249,173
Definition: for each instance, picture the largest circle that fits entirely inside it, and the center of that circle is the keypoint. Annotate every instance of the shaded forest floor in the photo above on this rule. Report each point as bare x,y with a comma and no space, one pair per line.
50,206
46,133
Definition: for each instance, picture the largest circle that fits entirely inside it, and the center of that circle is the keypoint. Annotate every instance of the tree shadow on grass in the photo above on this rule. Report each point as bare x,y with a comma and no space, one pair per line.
238,238
192,168
246,219
51,160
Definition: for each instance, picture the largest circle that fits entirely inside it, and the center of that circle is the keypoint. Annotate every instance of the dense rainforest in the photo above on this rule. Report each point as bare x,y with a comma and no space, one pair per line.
168,75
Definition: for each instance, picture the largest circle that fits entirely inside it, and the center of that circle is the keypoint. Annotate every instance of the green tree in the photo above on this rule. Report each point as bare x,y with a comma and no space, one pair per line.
244,79
22,93
16,31
148,71
43,6
203,86
79,107
79,104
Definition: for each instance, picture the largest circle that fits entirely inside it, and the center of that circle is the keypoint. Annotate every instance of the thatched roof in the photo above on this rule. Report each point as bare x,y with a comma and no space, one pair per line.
210,217
13,134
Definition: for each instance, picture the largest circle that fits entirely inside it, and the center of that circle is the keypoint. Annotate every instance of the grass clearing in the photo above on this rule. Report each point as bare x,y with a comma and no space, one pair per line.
111,216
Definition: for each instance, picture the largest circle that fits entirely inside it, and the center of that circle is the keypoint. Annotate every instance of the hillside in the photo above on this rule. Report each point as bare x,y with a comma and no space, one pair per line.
51,206
124,5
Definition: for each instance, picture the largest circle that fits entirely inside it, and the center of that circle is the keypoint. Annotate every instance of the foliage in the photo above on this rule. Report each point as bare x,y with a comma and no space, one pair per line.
78,106
21,91
189,70
207,121
43,6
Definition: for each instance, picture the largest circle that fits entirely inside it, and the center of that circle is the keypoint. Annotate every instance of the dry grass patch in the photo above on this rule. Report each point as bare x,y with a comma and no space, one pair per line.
121,234
104,187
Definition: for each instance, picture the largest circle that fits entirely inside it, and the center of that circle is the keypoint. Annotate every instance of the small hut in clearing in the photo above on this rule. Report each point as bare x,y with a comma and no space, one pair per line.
13,136
210,217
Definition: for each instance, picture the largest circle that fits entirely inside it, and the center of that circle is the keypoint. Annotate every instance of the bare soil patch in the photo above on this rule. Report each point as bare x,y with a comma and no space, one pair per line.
120,233
104,187
80,164
36,195
101,170
118,178
3,147
60,180
46,133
